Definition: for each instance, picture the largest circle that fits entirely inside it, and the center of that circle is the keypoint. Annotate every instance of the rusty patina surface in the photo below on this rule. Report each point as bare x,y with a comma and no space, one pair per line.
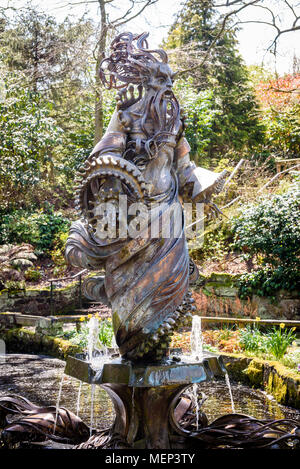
145,156
146,397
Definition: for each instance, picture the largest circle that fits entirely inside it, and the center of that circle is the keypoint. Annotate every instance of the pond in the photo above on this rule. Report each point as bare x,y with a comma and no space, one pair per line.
38,379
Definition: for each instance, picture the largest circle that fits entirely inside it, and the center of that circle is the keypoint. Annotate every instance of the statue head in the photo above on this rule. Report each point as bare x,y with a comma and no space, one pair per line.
160,77
132,62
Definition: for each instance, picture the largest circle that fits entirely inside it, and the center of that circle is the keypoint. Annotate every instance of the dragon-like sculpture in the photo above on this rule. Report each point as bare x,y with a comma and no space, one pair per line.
145,157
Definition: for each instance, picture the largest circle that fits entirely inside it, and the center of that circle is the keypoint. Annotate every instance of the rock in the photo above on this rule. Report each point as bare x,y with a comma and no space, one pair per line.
226,291
14,257
26,255
255,372
23,264
10,274
5,248
4,259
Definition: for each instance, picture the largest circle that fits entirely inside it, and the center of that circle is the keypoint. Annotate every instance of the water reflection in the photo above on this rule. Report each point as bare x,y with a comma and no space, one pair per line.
38,379
247,401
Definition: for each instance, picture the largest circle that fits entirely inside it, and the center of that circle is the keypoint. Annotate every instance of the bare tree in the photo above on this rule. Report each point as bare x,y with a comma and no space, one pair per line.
273,11
231,16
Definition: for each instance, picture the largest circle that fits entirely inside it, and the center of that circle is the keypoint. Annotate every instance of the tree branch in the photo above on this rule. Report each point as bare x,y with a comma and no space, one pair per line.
148,3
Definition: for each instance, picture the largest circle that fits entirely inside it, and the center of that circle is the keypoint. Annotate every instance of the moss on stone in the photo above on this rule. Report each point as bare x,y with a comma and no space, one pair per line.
27,341
68,287
277,387
223,278
284,371
236,367
255,373
278,380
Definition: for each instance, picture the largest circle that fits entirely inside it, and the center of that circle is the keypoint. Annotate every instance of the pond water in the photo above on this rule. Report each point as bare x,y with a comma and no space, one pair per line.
38,379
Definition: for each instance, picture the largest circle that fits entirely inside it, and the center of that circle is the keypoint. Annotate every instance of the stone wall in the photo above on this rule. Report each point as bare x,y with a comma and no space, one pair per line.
37,300
270,376
23,340
216,295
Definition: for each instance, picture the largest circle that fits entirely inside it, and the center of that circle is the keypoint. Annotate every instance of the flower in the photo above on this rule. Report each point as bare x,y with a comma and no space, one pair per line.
298,367
82,318
282,325
89,316
293,329
257,318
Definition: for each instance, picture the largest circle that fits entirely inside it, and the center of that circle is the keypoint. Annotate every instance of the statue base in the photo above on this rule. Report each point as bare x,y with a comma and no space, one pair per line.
145,396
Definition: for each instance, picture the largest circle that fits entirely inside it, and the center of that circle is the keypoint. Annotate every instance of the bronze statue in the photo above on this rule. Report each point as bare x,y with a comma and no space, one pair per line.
145,157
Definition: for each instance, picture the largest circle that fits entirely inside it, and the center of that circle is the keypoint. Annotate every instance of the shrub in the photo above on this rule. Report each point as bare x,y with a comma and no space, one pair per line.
37,228
105,333
292,359
270,229
58,253
275,342
32,275
14,285
200,115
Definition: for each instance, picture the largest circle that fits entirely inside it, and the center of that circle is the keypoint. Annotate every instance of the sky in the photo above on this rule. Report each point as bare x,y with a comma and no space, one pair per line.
253,38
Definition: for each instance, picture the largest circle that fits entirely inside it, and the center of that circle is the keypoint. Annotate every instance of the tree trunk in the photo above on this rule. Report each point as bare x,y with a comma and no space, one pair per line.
98,110
100,56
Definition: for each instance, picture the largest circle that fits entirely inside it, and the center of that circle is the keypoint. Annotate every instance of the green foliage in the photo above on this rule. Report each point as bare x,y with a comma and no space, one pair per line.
267,281
81,338
210,348
216,242
14,285
58,252
270,229
283,129
235,124
47,106
275,342
47,52
200,114
32,275
77,142
37,228
226,332
279,340
28,134
78,338
292,358
109,104
253,340
105,333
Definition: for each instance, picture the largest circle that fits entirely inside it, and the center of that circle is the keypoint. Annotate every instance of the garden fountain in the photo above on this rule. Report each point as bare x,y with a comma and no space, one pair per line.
146,395
143,158
129,194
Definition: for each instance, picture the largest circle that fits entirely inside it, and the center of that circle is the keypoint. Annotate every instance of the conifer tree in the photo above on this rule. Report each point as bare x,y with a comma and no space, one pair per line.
208,53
